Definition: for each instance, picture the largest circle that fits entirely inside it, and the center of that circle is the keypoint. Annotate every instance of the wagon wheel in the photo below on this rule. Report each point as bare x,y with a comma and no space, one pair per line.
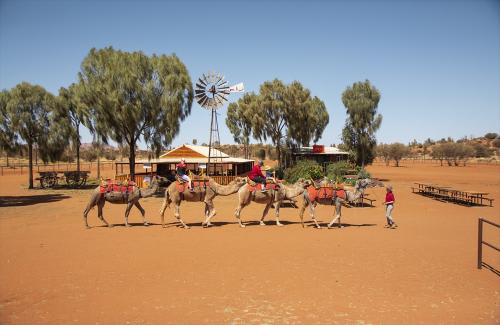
49,182
72,180
42,182
83,180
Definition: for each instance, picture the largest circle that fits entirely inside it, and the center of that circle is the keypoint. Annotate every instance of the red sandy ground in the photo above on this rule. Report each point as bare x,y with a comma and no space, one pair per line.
54,271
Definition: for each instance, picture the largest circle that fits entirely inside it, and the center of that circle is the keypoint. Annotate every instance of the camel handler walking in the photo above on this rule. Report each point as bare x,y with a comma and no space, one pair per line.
389,206
181,172
257,176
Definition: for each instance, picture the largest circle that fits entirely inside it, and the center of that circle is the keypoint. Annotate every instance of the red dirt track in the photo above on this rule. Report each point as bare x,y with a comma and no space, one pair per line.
54,271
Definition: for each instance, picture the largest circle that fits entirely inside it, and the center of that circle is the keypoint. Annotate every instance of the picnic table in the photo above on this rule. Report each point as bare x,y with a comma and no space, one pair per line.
75,178
449,194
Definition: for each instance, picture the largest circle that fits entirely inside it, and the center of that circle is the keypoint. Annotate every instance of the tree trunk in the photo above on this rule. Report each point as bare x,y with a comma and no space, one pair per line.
7,158
78,149
131,162
98,167
278,152
30,168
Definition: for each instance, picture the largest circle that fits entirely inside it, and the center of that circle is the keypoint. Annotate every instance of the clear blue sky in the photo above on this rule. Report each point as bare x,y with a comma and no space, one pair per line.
436,63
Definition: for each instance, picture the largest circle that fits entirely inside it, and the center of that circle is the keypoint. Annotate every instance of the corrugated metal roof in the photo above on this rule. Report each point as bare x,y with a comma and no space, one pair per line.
202,150
327,151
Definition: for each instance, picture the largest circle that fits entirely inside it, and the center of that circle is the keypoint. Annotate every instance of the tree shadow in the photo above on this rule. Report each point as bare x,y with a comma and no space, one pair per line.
18,201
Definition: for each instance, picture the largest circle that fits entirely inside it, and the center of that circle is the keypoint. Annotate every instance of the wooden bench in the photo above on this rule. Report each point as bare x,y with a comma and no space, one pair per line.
365,198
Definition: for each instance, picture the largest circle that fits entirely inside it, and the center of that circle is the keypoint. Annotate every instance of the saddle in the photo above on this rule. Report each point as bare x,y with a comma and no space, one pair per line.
328,192
270,185
109,185
200,184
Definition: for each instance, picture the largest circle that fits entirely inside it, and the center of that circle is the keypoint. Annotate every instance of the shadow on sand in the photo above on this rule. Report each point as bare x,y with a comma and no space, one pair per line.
345,225
18,201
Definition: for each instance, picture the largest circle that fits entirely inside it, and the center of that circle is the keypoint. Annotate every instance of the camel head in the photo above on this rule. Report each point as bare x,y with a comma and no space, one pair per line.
240,181
162,181
367,182
305,183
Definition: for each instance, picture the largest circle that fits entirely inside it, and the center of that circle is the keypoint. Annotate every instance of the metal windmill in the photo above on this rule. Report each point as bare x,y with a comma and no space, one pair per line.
211,93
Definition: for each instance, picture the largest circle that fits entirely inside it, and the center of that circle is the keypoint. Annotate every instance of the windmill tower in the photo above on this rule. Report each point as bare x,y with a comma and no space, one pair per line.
211,93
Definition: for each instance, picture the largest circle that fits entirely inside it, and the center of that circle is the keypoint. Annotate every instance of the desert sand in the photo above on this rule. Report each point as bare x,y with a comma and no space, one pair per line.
54,271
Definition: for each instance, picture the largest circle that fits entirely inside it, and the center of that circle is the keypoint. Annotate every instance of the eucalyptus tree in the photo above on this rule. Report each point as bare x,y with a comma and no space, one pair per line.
287,114
132,95
8,138
73,113
308,116
239,120
361,101
29,109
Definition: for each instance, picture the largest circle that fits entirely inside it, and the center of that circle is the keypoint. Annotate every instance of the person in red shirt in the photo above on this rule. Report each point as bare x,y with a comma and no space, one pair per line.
257,176
181,169
389,206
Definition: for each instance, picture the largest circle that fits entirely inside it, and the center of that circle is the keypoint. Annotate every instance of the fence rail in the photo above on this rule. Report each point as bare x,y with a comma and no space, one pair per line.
481,242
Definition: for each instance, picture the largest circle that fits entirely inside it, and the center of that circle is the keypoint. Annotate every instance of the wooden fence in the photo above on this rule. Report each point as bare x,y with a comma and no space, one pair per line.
481,242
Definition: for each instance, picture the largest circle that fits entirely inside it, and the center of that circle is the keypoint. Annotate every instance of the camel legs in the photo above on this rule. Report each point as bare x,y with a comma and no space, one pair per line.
162,212
91,204
127,212
338,212
138,206
178,216
312,208
277,213
264,213
209,214
311,212
237,213
100,206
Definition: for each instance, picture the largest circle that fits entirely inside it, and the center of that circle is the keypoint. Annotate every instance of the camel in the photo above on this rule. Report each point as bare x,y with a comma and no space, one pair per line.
245,197
207,196
351,196
131,199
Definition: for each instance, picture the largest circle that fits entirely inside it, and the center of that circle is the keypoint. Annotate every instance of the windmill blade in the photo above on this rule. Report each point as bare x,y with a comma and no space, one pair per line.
200,98
204,101
202,82
222,84
199,86
221,96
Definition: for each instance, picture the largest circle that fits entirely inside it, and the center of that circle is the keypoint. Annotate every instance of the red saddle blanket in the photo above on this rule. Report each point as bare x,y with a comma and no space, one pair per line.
183,185
258,187
324,193
116,186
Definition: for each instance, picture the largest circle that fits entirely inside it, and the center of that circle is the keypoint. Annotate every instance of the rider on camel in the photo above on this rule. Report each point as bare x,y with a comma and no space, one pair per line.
257,176
181,169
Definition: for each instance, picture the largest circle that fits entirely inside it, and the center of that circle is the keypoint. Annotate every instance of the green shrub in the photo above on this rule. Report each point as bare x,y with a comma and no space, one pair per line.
336,171
362,173
303,169
490,135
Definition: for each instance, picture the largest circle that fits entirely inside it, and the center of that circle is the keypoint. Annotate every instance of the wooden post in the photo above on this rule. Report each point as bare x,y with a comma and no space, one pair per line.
480,243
